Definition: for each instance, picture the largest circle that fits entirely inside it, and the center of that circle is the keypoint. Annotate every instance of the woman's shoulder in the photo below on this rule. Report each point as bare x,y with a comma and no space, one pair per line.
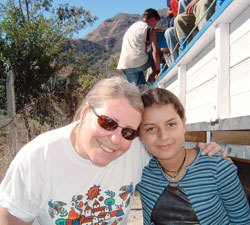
41,143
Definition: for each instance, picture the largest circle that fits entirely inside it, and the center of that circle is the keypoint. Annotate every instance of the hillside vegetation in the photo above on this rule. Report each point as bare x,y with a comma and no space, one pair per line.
89,59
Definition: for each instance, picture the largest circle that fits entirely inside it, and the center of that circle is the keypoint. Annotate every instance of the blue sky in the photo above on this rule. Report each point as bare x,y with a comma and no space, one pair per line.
105,9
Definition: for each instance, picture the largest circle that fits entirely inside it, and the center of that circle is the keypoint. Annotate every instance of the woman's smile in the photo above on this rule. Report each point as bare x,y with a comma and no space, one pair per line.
105,148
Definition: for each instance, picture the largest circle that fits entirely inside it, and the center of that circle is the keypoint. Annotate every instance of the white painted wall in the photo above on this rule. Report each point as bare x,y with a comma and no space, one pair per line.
217,82
240,65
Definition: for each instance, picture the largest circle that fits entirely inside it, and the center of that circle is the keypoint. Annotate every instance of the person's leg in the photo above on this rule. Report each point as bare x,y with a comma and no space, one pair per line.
171,22
182,6
171,43
199,10
141,78
137,78
183,25
150,64
134,76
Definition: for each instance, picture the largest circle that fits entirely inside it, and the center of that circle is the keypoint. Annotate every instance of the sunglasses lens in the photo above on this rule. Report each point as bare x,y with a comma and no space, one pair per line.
129,134
107,123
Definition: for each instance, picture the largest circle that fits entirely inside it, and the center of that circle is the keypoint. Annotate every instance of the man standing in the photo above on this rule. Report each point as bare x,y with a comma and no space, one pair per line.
135,58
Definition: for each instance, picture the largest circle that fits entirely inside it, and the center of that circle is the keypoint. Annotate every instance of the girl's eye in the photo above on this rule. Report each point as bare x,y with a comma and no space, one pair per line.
171,124
150,129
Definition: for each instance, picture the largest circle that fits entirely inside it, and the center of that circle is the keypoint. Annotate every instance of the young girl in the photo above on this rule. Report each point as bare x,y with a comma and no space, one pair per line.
181,186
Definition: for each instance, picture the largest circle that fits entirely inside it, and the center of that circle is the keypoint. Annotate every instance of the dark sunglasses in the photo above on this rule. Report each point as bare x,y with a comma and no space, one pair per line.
109,124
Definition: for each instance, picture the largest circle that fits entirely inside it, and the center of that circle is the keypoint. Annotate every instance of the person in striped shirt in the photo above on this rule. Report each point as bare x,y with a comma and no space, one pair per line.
181,186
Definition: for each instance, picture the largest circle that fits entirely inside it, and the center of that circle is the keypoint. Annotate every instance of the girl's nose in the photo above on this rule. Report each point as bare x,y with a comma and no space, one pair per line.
163,134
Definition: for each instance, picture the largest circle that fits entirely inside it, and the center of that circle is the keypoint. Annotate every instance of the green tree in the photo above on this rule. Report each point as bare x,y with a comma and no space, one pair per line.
33,37
113,62
3,100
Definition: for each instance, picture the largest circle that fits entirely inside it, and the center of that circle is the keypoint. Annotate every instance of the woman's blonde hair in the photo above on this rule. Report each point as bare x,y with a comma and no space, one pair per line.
112,88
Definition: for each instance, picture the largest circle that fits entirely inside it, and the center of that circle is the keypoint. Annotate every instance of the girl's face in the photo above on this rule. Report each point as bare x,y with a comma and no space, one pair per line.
99,145
162,131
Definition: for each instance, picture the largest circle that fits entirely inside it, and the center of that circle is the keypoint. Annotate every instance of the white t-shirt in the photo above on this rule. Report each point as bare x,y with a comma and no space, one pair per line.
133,53
49,181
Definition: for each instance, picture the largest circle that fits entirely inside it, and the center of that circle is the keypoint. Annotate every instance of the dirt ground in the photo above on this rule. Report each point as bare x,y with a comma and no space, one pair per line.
4,163
135,216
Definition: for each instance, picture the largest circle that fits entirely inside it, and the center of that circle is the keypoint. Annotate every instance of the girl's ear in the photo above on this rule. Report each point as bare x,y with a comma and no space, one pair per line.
184,125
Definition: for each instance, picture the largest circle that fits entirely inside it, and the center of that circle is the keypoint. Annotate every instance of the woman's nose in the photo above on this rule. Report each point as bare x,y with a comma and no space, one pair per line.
116,136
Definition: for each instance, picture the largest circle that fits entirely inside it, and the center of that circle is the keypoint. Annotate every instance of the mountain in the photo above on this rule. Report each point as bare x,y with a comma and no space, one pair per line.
110,32
88,47
106,40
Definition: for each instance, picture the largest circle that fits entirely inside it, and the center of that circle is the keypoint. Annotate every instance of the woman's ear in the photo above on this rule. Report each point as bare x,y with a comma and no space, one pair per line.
84,111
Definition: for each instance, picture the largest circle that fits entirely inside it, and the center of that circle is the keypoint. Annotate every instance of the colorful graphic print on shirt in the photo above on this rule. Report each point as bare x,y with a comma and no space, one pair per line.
96,208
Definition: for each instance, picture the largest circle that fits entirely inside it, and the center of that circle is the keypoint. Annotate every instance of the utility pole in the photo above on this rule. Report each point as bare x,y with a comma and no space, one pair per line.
11,107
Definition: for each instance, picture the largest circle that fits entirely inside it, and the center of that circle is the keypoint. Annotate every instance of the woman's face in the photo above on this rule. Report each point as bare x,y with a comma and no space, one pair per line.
162,131
102,146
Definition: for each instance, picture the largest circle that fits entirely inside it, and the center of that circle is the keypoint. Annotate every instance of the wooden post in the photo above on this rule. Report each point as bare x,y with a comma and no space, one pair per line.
182,83
11,108
222,44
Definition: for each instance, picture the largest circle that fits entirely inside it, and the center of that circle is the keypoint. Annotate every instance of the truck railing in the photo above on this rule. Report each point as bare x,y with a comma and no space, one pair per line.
221,6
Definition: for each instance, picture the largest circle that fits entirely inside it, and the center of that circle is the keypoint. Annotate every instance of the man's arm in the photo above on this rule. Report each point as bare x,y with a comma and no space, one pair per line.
169,12
7,219
155,50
